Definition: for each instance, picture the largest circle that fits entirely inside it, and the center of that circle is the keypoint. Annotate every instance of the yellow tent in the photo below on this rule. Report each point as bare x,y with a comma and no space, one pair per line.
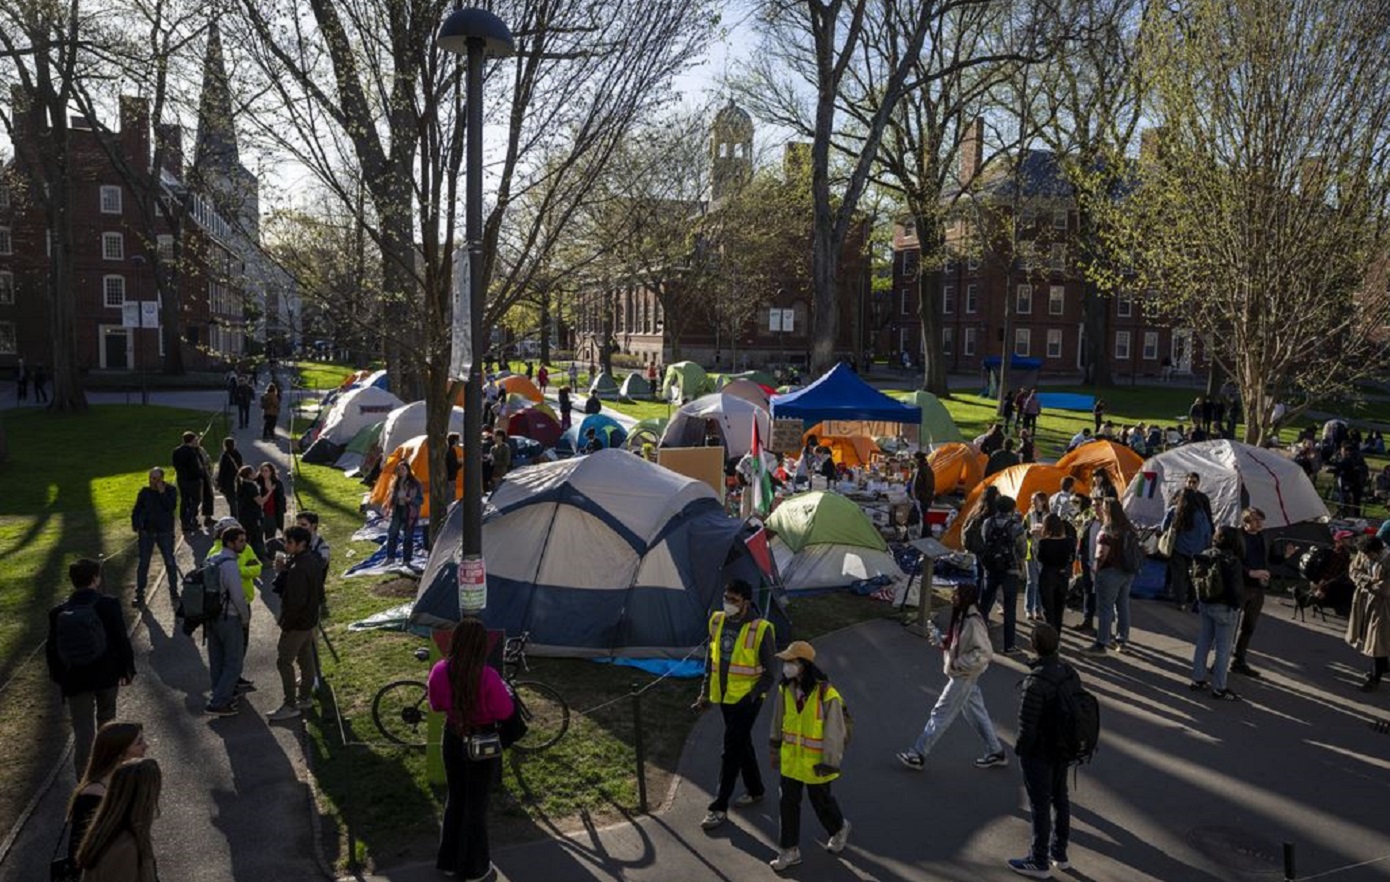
849,451
957,466
416,452
519,385
1118,459
1019,482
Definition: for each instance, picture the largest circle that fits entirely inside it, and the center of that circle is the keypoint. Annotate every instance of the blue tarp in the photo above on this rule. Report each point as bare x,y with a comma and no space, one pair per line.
687,669
1017,363
1067,401
841,395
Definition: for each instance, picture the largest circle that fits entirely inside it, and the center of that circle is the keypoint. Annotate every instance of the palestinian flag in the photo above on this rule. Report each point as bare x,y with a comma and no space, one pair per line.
1148,485
759,481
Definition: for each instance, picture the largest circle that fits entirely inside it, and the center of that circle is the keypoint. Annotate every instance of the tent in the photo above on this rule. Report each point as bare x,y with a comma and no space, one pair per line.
841,395
957,466
519,385
647,431
735,417
823,540
356,409
635,388
749,391
608,430
603,555
1019,483
1119,460
1234,476
358,448
848,450
515,403
321,452
604,386
535,424
416,452
689,378
937,427
760,378
408,420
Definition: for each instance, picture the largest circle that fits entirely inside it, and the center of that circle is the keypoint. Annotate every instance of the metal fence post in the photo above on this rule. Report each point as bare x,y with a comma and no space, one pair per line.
640,748
1290,872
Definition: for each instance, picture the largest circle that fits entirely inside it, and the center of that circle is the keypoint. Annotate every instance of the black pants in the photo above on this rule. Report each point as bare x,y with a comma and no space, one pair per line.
243,415
1052,594
190,497
1046,783
1380,664
463,847
1180,578
738,757
208,497
1249,617
822,803
268,426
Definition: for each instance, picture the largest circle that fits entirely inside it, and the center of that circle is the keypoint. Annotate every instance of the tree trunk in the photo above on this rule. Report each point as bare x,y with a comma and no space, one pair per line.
166,280
67,384
545,324
825,318
1096,321
929,306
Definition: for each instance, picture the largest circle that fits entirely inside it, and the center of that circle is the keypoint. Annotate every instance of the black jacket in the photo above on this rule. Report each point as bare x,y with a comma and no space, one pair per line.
246,505
188,463
1038,707
154,510
300,586
117,663
227,468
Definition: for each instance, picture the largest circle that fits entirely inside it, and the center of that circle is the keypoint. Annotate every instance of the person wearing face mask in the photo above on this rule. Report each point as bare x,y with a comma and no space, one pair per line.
808,742
739,667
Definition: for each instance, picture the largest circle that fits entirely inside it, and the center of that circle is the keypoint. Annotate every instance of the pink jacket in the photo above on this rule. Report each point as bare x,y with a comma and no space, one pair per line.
494,701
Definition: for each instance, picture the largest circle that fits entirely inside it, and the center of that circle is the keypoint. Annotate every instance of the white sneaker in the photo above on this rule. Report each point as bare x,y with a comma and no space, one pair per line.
838,841
786,859
285,712
713,819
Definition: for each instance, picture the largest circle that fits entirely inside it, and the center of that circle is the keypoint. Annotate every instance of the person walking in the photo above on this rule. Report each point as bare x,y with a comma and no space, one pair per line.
473,699
21,379
244,395
118,846
1002,540
1220,563
89,655
1194,533
1368,625
1117,562
40,381
739,669
189,473
248,506
966,655
1041,757
228,466
808,742
116,743
403,502
1054,552
299,582
1032,409
152,519
566,407
270,411
225,635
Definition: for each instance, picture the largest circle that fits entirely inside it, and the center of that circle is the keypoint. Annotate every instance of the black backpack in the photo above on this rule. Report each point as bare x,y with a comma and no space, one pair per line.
1075,720
1131,552
79,635
1209,576
202,599
999,554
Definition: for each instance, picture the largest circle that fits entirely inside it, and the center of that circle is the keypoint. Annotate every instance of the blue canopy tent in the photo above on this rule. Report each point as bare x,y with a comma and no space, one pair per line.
841,395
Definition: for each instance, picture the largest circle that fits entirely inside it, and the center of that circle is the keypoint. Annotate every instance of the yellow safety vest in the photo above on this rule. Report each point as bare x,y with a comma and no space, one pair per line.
803,733
743,667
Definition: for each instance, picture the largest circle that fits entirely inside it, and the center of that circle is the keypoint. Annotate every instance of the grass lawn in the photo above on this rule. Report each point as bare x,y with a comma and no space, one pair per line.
322,374
641,410
70,482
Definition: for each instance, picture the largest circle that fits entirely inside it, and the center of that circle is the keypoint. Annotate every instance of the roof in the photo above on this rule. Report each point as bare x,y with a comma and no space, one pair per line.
842,395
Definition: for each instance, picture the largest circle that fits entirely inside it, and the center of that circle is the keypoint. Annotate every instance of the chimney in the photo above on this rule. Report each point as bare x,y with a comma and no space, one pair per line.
972,151
1150,145
796,161
135,132
168,139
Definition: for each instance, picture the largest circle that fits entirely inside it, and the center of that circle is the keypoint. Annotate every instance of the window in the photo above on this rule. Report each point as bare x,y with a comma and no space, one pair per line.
1059,219
110,200
950,265
8,345
1025,255
166,247
6,245
972,298
1124,305
948,341
948,299
4,197
1150,345
969,341
1054,342
1058,258
113,291
6,288
1023,303
972,263
1122,345
1029,216
907,300
1056,300
1023,342
112,246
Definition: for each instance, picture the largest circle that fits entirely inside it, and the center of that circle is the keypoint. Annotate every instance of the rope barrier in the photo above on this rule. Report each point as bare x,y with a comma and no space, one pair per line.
632,693
1336,870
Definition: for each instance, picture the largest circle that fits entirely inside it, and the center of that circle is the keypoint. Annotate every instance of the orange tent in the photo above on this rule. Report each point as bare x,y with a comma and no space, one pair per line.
847,450
1119,460
1019,482
519,385
957,465
416,452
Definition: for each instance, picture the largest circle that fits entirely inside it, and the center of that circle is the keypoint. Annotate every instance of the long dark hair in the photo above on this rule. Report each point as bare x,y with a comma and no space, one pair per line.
467,654
809,677
131,803
108,749
1115,518
964,598
1183,509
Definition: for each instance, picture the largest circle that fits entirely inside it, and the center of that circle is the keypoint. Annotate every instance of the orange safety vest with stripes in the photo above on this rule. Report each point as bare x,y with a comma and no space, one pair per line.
803,734
743,667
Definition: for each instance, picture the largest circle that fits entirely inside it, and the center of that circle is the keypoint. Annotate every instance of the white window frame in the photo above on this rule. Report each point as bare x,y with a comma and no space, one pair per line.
968,343
948,299
1124,305
1056,300
1150,350
9,339
1023,342
1122,346
972,299
6,288
1054,342
111,199
164,242
1027,253
1023,297
904,309
1060,219
1057,258
6,241
107,289
972,263
948,340
108,240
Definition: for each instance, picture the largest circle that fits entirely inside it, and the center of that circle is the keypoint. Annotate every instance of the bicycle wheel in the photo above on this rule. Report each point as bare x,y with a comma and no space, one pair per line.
399,711
546,713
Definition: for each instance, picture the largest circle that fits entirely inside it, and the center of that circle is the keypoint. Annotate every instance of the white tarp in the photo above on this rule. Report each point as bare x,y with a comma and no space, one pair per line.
734,414
830,565
408,421
1234,476
356,409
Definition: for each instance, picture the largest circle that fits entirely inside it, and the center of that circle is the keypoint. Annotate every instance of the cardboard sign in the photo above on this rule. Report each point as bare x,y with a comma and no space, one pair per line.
786,436
701,463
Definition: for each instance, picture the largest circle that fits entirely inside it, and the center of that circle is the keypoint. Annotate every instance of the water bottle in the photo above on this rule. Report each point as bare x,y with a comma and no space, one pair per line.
933,634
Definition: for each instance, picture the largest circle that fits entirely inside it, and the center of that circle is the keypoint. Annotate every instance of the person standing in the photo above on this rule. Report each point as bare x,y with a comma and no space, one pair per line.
966,655
566,407
1117,555
21,378
225,634
473,699
1098,414
89,655
189,472
248,506
1368,626
1255,563
270,411
1041,757
299,582
1194,534
923,487
1087,526
1032,409
501,457
574,375
116,743
271,502
152,519
228,466
40,380
738,674
403,502
1063,502
206,486
1054,552
242,399
118,846
1033,524
542,378
1003,544
1219,615
808,743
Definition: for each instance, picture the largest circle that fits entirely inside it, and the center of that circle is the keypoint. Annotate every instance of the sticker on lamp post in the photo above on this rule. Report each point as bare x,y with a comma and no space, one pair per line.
472,585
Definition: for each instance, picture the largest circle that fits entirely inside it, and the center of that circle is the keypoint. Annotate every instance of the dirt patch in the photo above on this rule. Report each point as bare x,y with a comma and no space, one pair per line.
397,588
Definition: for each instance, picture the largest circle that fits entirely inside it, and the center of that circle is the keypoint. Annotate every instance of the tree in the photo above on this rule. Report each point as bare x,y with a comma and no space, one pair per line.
1258,217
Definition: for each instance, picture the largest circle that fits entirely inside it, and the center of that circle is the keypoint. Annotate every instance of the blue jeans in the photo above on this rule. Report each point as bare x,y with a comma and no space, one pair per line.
1112,599
1031,601
226,655
1219,628
1009,583
165,542
1046,783
399,526
960,694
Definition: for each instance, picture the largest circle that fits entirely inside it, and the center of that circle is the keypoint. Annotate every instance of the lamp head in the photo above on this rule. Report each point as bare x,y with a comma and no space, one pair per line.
465,25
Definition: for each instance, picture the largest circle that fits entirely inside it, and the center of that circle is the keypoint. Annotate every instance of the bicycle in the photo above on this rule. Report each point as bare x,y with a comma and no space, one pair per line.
400,708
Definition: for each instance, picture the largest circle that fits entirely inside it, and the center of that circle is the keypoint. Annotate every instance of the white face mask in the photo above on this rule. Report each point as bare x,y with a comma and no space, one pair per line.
791,670
732,609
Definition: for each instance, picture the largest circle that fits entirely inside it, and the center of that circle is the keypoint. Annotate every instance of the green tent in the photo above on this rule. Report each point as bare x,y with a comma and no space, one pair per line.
937,425
646,431
762,378
604,386
820,518
635,388
689,378
365,438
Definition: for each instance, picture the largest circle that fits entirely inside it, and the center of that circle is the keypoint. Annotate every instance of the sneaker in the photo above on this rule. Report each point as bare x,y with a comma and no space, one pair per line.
1031,868
221,710
305,704
246,684
1085,628
1121,645
786,859
1224,695
713,819
838,841
1198,685
242,688
137,602
1061,863
1095,649
913,760
1244,670
990,760
284,712
1370,683
748,799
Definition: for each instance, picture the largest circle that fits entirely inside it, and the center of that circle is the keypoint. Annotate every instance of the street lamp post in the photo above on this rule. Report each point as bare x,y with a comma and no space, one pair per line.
476,34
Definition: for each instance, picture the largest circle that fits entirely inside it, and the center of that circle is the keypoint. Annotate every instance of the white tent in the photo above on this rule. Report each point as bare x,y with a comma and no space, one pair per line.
830,565
356,409
407,421
747,390
734,415
1234,476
